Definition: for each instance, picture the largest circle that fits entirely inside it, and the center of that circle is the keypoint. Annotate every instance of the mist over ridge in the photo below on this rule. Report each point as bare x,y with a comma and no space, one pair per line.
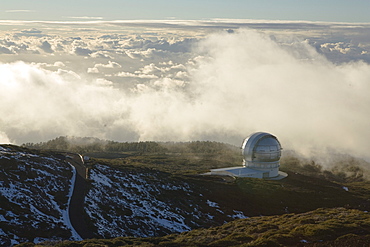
220,88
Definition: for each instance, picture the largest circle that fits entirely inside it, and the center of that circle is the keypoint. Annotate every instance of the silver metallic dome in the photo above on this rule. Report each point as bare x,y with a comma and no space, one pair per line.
261,153
261,148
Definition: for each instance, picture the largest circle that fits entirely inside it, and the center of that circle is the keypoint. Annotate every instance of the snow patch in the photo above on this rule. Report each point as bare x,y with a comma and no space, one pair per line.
238,215
133,205
213,204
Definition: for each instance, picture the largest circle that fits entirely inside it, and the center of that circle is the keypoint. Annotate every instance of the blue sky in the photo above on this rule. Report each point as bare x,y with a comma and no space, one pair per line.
312,10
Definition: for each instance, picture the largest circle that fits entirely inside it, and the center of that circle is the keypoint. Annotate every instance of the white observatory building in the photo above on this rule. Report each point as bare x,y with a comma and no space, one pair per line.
262,152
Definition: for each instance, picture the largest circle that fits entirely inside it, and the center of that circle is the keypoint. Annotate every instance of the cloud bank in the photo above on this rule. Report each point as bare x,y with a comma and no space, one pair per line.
226,86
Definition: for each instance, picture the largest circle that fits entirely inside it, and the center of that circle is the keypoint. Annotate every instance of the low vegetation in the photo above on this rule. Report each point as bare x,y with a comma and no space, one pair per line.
321,227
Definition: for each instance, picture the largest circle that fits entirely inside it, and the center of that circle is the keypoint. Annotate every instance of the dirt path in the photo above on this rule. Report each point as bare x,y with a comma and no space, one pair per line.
76,207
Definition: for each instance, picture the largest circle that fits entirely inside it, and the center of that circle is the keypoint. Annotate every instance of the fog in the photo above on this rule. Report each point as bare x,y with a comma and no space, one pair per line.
232,85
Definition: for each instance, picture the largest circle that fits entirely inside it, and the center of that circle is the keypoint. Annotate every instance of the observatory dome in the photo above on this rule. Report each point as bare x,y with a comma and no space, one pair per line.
262,152
261,149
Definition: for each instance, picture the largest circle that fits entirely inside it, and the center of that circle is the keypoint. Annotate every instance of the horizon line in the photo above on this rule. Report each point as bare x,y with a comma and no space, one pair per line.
178,21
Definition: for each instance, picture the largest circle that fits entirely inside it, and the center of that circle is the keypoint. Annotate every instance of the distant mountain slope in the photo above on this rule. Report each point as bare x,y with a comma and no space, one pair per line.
34,191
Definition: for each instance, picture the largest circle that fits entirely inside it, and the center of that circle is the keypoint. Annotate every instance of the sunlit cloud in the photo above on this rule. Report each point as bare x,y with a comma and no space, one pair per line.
305,86
85,17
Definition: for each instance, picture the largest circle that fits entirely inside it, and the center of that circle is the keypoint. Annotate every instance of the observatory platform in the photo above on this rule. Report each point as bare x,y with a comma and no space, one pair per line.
262,152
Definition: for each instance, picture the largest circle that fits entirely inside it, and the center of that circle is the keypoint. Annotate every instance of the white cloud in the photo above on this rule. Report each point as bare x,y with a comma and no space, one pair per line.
229,85
47,103
135,54
339,47
256,84
168,83
4,138
164,69
152,68
32,30
110,65
69,74
182,75
136,75
86,17
59,64
93,70
103,82
101,54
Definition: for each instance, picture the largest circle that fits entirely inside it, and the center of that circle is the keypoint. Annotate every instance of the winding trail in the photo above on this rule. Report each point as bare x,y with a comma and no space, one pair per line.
76,206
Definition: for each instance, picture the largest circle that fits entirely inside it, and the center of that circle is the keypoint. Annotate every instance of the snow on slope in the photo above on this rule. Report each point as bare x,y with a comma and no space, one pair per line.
34,192
147,203
35,189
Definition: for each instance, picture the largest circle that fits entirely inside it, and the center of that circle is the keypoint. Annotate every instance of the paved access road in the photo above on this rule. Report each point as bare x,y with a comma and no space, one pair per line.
76,206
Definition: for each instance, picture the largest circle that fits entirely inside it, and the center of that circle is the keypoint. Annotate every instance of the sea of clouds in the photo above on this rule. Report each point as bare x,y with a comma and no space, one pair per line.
311,92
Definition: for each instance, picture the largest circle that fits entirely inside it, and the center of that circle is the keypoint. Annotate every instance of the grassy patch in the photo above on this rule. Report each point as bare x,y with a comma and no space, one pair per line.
287,230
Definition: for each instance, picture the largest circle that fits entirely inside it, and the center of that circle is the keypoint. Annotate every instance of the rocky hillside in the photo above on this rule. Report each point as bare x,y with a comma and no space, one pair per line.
144,202
34,192
36,187
151,194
